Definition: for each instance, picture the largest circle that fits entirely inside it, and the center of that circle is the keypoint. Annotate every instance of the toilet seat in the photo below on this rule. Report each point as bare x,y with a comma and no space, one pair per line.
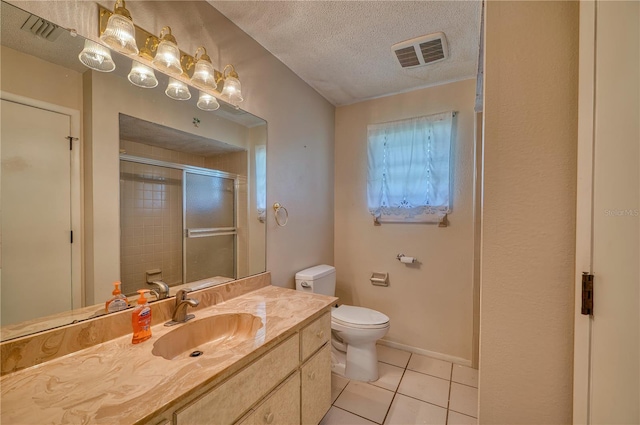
359,317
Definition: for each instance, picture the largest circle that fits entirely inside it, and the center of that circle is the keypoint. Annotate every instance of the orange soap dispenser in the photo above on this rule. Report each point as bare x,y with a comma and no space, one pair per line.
141,319
118,301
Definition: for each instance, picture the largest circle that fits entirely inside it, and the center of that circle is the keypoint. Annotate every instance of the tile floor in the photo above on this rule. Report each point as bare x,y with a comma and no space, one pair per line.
412,389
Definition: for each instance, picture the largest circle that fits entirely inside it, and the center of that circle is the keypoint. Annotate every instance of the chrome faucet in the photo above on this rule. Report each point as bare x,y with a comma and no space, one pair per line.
162,289
180,313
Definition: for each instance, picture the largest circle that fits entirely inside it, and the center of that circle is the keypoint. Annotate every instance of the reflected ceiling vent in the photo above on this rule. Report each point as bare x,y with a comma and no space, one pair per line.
421,51
42,28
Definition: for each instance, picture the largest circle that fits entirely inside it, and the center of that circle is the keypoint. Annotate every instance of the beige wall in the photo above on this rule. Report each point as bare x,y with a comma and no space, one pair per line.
28,76
430,306
528,222
300,121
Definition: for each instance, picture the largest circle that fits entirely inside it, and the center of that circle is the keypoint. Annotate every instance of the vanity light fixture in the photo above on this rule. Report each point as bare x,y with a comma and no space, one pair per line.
97,57
142,76
177,90
167,56
120,34
231,92
203,73
207,102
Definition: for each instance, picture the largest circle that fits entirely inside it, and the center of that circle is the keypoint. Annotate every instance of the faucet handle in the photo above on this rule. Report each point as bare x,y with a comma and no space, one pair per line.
181,295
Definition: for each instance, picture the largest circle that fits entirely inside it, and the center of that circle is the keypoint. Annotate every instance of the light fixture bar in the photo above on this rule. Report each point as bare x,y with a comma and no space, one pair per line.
141,40
144,37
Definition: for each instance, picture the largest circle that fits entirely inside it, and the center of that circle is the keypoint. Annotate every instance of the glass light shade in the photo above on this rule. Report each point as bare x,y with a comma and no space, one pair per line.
120,35
203,75
207,102
231,91
177,90
168,58
142,76
97,57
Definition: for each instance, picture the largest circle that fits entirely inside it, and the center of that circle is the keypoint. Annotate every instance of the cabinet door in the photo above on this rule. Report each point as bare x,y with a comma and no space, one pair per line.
316,386
226,403
281,407
314,336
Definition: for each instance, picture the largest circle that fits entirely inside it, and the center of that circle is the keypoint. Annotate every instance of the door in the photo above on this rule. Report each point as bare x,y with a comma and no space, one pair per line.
36,212
210,235
607,344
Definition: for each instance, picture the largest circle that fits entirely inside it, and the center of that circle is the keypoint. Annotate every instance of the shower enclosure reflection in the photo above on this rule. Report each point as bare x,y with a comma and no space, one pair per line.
183,215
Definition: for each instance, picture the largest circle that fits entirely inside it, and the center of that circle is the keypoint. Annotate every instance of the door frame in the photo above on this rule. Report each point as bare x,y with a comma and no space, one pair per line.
77,223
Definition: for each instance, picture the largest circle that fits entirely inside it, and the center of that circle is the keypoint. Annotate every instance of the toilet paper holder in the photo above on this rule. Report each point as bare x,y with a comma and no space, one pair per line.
379,279
407,260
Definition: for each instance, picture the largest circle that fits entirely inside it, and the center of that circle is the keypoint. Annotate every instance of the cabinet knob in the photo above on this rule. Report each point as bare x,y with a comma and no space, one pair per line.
312,375
320,334
268,417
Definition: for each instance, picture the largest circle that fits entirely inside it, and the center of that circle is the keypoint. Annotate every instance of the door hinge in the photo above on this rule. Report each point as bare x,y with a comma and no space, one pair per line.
72,236
587,294
71,139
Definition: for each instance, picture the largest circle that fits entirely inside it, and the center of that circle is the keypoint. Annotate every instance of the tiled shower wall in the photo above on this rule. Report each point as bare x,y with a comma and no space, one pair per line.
150,224
151,213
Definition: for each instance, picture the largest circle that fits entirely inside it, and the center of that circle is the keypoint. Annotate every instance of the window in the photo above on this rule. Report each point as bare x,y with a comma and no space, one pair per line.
409,169
261,181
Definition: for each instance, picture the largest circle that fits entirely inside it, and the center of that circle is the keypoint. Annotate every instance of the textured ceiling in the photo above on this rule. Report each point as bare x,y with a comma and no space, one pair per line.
343,48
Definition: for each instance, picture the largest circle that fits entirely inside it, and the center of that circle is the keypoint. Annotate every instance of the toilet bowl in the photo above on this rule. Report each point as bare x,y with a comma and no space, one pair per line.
354,330
354,333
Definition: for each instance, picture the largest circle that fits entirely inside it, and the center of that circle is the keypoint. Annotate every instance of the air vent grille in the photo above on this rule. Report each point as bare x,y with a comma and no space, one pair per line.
407,57
432,51
421,51
42,28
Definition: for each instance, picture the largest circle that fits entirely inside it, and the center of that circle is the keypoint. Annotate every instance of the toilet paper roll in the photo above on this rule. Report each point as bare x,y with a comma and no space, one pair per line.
407,260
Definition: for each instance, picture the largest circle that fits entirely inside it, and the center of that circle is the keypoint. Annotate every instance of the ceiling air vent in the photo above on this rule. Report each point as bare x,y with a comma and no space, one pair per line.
421,51
42,28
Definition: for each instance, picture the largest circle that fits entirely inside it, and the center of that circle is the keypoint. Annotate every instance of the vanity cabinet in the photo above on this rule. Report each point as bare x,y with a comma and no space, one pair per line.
290,384
316,386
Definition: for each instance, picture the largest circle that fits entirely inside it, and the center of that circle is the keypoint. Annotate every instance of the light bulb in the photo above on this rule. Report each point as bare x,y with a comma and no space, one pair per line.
119,35
207,102
142,76
177,90
203,75
167,56
231,91
96,57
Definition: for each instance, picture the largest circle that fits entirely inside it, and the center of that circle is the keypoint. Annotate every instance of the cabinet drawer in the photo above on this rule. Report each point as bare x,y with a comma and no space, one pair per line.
315,335
227,402
316,386
282,407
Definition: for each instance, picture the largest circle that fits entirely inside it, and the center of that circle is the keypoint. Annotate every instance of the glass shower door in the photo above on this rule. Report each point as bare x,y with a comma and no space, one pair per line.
210,227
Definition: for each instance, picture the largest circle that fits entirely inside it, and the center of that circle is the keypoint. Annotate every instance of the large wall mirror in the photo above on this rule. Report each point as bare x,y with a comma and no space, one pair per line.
105,181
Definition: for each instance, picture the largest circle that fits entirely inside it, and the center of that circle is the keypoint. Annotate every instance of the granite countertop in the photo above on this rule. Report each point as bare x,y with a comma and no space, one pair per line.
118,382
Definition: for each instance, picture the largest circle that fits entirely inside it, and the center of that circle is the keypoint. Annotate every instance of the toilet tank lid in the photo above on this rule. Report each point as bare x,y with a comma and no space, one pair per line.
315,272
358,315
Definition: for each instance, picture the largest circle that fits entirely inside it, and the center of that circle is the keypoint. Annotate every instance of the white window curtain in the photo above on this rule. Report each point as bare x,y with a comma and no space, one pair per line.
409,176
261,181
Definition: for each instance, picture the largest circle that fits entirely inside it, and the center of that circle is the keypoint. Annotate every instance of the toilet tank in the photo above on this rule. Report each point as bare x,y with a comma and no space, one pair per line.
319,280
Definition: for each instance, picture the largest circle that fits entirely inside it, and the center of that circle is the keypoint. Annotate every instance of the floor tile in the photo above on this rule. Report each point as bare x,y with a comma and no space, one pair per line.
456,418
425,387
430,366
465,375
406,410
464,399
393,356
365,400
388,376
337,385
337,416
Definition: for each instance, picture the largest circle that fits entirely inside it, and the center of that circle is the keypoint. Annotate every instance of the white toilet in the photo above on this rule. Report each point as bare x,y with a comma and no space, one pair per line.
354,330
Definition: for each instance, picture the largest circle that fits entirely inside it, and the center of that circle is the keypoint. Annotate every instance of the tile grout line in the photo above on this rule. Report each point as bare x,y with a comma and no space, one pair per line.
446,420
395,393
355,414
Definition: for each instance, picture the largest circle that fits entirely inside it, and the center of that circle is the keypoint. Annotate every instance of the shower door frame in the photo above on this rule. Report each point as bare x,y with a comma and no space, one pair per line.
185,233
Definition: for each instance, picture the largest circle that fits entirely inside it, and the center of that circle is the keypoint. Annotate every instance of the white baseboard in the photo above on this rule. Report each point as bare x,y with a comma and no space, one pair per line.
409,348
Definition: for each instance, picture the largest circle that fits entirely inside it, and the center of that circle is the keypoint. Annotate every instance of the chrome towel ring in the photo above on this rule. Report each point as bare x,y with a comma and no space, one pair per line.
277,207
